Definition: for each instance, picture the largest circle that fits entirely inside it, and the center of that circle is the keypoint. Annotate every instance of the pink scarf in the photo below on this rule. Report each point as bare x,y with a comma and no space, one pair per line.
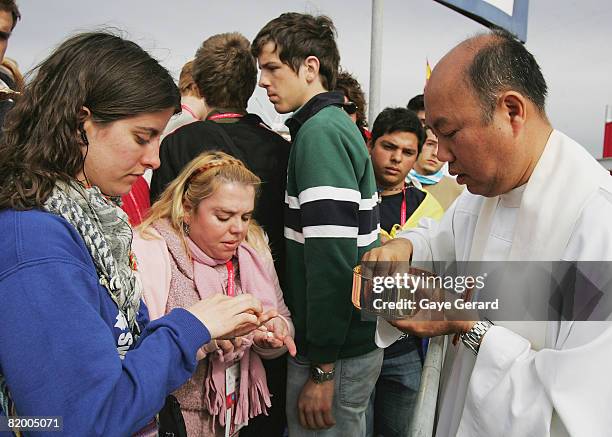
253,397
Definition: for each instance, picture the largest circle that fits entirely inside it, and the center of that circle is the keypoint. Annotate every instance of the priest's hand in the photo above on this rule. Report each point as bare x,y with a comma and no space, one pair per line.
393,251
428,328
397,249
315,405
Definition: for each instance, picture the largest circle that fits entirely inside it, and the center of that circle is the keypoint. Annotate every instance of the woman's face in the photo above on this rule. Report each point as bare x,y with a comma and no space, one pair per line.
221,221
122,150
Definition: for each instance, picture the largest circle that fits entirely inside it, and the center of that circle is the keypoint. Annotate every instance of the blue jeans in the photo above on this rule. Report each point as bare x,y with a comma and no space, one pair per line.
392,402
353,384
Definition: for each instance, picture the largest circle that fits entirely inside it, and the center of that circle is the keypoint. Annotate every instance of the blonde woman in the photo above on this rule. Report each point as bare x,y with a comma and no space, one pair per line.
199,240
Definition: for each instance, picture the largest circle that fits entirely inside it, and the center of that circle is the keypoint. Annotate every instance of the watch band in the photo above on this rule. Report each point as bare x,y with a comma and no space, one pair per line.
319,376
473,337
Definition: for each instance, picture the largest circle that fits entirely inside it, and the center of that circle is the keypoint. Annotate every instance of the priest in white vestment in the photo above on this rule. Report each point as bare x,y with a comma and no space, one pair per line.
533,194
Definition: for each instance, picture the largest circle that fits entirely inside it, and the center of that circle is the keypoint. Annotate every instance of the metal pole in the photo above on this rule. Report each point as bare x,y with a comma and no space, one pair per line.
424,414
375,59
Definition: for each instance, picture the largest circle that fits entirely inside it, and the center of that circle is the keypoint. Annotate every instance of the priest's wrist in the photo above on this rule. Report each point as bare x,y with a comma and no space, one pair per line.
472,338
466,326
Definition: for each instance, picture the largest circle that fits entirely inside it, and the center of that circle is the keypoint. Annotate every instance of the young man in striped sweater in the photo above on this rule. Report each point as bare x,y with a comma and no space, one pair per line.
331,219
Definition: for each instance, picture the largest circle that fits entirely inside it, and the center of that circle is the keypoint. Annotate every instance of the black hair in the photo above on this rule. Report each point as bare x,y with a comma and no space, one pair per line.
504,64
392,120
417,103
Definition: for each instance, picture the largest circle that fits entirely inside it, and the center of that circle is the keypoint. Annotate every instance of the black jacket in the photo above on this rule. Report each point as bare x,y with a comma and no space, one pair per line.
264,152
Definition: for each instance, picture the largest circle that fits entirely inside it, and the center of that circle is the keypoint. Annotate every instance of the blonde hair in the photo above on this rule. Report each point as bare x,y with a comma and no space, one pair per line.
11,67
199,180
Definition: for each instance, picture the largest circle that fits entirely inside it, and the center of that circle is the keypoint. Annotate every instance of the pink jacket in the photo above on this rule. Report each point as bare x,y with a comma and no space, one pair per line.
155,274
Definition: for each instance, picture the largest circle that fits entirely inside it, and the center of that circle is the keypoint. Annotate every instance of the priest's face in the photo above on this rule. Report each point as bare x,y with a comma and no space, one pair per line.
484,155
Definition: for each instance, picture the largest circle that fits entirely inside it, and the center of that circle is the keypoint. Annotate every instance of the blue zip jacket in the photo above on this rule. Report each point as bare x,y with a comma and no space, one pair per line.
65,350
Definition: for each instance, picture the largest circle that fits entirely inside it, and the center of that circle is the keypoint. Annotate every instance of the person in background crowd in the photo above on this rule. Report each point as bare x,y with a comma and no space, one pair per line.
397,139
10,70
9,80
199,240
417,104
76,341
136,203
394,150
193,106
485,101
331,220
354,101
225,73
428,171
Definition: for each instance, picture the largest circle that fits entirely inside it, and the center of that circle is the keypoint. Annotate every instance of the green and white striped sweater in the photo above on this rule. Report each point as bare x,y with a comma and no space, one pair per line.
331,220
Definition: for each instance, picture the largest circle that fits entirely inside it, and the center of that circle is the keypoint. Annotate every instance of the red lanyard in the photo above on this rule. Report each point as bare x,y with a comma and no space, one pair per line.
225,115
403,208
188,109
230,278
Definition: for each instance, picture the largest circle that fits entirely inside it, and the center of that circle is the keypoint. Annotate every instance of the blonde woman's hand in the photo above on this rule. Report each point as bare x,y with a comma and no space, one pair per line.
226,346
277,335
227,317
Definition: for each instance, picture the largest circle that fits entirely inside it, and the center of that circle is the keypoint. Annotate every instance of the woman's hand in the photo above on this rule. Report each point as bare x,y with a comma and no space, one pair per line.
226,346
277,335
227,317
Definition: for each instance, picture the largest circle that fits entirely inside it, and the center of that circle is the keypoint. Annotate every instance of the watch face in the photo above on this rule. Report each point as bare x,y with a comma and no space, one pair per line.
318,375
316,372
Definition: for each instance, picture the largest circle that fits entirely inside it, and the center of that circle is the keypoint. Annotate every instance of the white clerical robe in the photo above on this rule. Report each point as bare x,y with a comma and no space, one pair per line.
529,378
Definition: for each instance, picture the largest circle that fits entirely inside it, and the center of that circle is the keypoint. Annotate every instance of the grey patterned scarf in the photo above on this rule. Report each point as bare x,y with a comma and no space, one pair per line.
108,237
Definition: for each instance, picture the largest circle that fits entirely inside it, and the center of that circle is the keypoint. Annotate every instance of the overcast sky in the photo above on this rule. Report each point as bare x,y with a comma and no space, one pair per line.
571,40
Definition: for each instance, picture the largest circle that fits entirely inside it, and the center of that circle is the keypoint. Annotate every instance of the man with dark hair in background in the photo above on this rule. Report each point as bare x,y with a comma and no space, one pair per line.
417,104
485,101
9,15
225,73
331,220
427,170
397,140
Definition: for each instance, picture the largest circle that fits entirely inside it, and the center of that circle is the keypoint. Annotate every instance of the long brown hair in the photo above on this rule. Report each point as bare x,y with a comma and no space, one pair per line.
111,76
